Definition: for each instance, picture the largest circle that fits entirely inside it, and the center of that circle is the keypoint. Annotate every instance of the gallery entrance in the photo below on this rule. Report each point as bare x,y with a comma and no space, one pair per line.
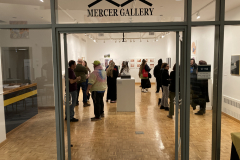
179,58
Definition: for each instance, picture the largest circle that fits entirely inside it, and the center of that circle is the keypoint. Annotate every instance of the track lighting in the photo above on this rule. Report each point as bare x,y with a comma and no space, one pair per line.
115,41
130,40
94,40
147,40
198,15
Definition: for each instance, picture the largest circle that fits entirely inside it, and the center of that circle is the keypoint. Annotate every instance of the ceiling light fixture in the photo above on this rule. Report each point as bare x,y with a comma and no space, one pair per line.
94,40
157,39
198,15
41,0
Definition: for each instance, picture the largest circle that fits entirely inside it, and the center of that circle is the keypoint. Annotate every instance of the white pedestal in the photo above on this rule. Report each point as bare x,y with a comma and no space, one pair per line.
125,95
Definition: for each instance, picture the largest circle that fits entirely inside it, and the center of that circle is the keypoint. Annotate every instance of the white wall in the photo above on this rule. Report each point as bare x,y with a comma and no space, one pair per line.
164,48
231,84
77,48
2,114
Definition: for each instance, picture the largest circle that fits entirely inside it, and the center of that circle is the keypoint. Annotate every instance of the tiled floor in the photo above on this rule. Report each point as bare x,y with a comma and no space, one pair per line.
114,136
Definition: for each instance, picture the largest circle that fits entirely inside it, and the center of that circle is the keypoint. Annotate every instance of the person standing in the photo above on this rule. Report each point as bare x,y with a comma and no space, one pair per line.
87,76
157,75
200,94
72,89
81,71
165,83
116,67
172,91
112,75
193,81
143,74
97,84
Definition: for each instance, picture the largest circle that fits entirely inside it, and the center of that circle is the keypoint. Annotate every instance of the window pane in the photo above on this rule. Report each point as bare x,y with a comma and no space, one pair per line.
27,102
203,10
201,93
232,10
25,12
230,89
121,11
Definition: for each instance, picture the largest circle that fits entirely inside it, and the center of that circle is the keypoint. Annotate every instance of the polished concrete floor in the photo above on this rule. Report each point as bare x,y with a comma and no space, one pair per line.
114,136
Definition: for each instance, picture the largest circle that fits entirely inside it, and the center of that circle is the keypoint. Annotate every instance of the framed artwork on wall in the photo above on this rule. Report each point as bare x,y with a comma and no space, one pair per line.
152,66
152,60
132,65
132,60
235,65
139,60
138,65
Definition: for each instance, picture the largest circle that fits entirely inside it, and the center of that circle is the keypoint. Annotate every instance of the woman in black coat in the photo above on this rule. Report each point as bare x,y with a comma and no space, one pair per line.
200,93
165,83
112,75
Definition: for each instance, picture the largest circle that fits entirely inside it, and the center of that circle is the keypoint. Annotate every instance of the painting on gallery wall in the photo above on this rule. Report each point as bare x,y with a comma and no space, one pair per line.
19,33
107,56
139,60
152,66
132,65
152,60
138,65
235,65
132,60
194,48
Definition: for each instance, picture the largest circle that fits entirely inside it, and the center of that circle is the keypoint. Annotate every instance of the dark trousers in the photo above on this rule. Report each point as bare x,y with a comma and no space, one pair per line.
98,103
158,80
84,89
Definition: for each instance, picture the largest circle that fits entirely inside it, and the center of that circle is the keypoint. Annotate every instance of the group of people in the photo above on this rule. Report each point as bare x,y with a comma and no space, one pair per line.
199,88
96,82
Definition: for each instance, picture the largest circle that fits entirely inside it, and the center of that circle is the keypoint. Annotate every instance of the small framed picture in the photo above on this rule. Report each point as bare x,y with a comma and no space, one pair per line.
132,60
152,66
139,60
132,65
138,65
152,60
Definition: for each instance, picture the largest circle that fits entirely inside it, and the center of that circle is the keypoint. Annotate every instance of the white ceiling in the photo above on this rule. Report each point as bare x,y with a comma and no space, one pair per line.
73,11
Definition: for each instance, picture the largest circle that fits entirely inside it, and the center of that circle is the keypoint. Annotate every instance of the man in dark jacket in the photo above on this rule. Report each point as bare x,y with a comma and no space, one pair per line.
200,93
81,71
157,75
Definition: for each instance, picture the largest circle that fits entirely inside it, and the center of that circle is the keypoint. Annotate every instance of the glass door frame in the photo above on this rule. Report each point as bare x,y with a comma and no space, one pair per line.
147,28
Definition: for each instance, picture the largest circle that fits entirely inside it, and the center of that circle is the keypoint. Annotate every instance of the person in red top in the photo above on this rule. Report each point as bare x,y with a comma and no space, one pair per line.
72,89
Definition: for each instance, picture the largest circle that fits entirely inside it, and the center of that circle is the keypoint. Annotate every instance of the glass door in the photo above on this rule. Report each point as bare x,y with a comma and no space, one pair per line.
178,100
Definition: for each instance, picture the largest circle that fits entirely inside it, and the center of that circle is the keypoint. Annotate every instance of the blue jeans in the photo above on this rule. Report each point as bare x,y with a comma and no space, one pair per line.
84,89
74,101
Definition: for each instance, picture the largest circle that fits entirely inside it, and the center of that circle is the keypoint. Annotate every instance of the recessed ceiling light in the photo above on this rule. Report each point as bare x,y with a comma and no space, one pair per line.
41,0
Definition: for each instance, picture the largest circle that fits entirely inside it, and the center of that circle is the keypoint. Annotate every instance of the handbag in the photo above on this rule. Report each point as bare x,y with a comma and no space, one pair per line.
149,75
144,73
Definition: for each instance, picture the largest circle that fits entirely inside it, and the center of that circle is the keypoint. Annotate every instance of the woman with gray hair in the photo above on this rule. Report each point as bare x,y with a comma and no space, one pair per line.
112,75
